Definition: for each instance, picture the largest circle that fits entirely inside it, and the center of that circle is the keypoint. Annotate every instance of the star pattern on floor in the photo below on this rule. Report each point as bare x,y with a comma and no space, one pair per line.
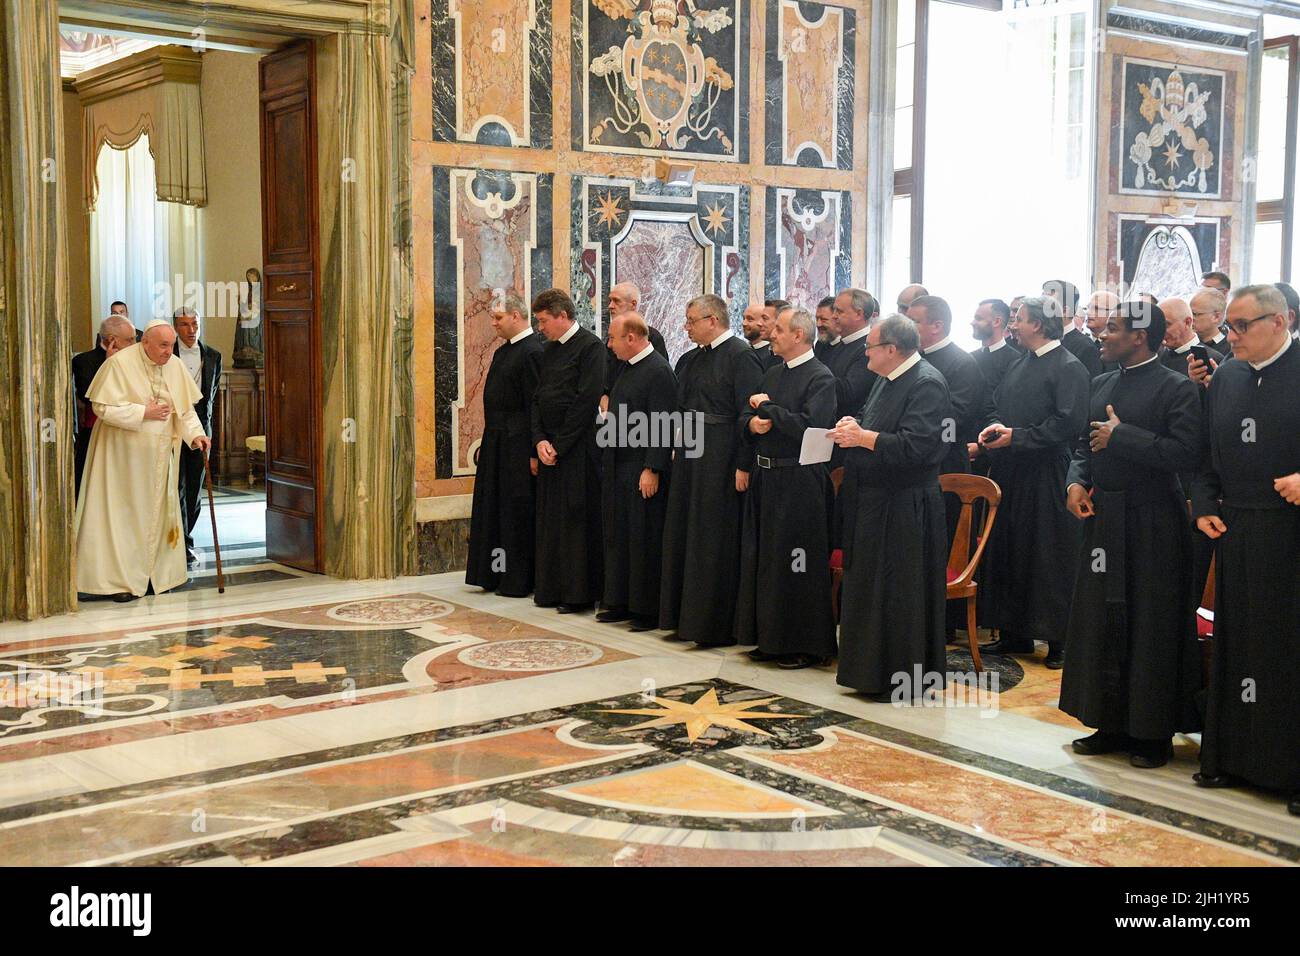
704,712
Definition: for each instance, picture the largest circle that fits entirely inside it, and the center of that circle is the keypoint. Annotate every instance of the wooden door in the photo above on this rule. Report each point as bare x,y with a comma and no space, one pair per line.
291,309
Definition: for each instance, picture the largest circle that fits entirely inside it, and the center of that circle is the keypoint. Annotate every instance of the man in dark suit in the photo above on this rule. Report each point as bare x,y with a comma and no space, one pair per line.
1208,309
115,332
204,365
1076,341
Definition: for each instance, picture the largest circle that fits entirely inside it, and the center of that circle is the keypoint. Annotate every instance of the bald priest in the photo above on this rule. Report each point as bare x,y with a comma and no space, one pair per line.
129,530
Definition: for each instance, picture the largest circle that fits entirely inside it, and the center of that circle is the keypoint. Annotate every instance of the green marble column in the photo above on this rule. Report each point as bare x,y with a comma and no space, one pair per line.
36,498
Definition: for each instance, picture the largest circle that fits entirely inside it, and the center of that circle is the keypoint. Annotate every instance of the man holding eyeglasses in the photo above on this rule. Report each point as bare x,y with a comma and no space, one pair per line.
1246,497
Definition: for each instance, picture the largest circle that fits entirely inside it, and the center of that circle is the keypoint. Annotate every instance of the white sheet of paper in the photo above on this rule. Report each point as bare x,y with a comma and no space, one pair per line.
816,447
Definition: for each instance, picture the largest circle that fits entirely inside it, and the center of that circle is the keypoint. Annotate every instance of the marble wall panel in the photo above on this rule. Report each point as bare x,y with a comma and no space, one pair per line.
492,235
1165,256
808,91
808,237
492,72
661,77
673,242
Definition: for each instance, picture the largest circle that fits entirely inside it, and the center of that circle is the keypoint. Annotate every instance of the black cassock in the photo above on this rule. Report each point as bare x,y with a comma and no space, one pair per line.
634,526
702,533
853,379
1177,361
972,405
766,357
570,549
895,555
1084,348
1252,422
1027,572
504,488
995,362
785,579
85,365
1132,665
823,349
614,365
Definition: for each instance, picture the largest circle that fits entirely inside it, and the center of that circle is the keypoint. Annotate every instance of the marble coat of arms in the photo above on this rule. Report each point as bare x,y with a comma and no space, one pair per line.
1172,154
662,85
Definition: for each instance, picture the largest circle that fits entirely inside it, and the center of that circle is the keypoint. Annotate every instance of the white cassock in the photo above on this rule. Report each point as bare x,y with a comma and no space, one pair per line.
129,531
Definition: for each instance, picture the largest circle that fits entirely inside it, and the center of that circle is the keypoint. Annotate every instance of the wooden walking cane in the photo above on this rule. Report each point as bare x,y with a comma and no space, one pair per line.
212,510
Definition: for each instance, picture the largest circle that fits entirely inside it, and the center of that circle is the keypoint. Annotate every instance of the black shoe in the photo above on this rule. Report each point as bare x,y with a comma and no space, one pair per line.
613,615
1100,743
511,594
124,597
573,608
758,655
1005,645
1149,754
1293,805
673,636
794,662
1055,657
1214,781
640,624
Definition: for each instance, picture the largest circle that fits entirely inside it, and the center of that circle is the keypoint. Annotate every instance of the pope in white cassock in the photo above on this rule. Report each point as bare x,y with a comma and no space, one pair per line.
129,530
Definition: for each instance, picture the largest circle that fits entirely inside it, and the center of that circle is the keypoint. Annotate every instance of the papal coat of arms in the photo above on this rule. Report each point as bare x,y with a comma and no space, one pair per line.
1173,153
662,85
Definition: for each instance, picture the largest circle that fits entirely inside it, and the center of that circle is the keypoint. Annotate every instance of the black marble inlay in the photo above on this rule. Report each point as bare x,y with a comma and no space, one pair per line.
1171,135
774,90
807,248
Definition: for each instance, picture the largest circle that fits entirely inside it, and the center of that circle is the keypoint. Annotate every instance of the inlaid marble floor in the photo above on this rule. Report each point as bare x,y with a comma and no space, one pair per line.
303,720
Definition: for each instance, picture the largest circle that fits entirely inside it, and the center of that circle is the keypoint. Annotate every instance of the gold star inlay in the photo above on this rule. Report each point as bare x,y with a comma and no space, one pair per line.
706,711
1172,155
609,211
716,219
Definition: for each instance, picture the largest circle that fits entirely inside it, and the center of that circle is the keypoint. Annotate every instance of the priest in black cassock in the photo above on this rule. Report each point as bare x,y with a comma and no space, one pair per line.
636,436
571,378
996,352
853,312
1180,337
1077,342
1132,664
785,580
625,297
1208,308
702,533
1029,567
502,521
895,555
115,332
1246,497
825,316
1096,312
753,325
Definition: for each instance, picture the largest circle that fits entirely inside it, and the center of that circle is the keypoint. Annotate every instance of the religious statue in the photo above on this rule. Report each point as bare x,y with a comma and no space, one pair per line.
248,335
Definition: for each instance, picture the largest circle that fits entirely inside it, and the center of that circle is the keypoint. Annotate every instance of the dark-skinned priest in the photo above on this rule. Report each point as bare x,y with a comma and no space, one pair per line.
1246,497
1132,665
895,553
785,580
636,437
502,527
571,379
1029,566
701,568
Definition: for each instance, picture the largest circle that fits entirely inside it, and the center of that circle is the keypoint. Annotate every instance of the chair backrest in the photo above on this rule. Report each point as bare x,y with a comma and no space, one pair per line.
1207,595
970,488
837,478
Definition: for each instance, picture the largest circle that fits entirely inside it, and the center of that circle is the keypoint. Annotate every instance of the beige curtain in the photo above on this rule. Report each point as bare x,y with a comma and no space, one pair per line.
118,110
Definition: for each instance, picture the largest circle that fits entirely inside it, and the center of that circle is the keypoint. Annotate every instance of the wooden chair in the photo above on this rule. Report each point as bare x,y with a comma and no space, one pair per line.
256,445
1204,627
837,556
961,563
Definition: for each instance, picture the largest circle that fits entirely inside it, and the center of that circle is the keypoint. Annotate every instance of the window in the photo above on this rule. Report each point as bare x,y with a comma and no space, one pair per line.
996,116
1273,246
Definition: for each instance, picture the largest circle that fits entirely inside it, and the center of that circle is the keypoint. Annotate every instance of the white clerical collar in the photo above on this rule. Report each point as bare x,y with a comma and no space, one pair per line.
1217,339
946,340
1000,344
1129,368
1046,347
761,344
1184,347
726,334
854,336
573,330
836,341
640,355
1286,344
796,362
520,336
907,364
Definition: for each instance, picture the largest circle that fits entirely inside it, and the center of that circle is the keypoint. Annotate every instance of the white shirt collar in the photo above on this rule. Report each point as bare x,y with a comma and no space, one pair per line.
836,341
761,344
642,354
1046,347
573,330
796,362
1286,344
1129,368
994,348
1185,346
726,334
907,364
854,336
946,340
520,336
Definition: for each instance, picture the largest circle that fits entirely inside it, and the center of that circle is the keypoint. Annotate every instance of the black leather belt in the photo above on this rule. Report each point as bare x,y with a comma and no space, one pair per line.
710,419
765,462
